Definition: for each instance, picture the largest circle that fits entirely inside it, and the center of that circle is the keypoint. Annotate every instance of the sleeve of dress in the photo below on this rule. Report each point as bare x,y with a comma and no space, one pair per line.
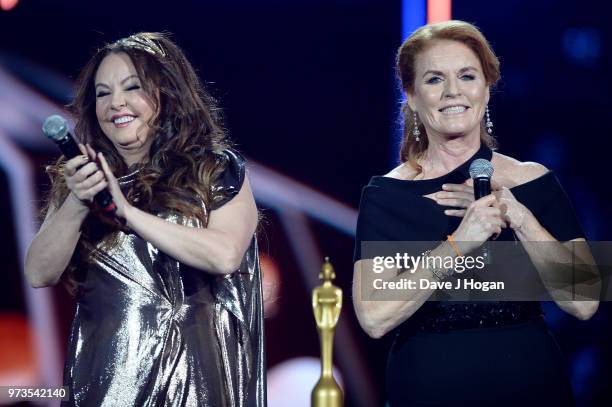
391,212
238,321
372,220
547,200
230,180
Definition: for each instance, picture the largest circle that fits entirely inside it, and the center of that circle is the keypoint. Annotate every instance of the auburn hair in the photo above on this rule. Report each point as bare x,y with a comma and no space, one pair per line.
424,37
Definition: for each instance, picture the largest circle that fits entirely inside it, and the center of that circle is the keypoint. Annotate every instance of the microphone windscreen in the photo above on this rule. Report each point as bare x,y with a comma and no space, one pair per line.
481,168
55,127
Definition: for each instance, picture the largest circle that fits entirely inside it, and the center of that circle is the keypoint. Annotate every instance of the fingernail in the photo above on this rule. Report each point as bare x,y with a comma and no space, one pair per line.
444,186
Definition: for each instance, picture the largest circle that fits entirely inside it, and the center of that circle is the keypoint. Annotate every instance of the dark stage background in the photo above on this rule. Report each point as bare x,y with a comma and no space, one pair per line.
308,90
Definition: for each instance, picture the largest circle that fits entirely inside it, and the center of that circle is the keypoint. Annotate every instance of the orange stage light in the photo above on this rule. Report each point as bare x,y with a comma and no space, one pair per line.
18,365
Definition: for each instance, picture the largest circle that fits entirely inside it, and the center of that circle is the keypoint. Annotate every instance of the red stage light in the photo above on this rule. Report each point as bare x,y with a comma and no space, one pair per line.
438,10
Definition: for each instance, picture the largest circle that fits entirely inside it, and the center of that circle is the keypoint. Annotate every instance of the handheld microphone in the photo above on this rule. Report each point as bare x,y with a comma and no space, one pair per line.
55,128
481,171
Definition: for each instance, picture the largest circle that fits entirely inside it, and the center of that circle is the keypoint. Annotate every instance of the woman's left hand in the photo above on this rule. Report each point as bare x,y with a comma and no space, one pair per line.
460,196
513,212
121,202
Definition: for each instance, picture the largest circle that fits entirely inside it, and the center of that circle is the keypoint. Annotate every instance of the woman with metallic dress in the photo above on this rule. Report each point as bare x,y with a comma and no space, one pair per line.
463,353
168,291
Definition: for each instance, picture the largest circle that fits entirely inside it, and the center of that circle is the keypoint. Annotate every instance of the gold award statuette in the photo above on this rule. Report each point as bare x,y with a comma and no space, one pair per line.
326,304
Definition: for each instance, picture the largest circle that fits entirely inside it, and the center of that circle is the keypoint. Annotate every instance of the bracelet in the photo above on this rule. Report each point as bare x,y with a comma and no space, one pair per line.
439,274
452,242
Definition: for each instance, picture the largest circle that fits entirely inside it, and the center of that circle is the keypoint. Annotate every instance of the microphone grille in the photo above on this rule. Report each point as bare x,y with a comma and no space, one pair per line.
55,127
481,168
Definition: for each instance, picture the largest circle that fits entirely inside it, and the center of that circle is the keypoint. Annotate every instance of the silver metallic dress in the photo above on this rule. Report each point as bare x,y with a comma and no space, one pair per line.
150,331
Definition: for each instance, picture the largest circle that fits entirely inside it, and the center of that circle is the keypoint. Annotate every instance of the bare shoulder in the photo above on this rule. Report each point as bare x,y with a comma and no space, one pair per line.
404,171
512,172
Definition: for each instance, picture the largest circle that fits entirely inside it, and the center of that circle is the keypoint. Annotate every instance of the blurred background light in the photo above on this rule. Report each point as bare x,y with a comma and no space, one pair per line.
582,45
583,368
291,382
7,5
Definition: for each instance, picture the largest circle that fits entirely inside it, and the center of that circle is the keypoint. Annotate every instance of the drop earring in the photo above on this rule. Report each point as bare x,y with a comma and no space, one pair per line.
415,129
488,122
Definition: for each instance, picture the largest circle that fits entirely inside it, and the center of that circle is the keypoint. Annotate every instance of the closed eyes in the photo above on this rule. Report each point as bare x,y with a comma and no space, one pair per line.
129,88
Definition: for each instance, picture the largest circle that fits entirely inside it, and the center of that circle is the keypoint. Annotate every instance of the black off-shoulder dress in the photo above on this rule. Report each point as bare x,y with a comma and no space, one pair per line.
468,353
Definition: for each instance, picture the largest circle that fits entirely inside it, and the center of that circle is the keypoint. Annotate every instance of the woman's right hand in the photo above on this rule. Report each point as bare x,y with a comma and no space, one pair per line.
84,178
482,219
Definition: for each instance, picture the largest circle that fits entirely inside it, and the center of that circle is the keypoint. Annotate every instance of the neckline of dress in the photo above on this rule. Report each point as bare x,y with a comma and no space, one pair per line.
483,152
458,175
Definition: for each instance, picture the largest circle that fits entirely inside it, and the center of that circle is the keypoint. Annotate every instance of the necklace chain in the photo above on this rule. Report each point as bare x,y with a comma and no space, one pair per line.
126,179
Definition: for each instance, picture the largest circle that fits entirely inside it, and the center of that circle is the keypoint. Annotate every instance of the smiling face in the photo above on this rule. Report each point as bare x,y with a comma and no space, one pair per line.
123,108
450,91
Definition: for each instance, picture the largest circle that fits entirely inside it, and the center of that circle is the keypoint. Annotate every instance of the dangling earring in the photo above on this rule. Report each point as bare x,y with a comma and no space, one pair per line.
415,130
488,122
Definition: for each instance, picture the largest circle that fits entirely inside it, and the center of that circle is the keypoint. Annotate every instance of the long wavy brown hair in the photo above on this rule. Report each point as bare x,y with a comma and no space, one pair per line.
411,150
185,158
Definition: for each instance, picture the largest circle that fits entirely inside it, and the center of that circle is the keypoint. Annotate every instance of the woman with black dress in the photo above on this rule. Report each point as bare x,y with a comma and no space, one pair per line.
463,353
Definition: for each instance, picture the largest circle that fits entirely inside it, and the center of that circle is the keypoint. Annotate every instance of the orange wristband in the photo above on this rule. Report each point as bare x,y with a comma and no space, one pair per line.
452,242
